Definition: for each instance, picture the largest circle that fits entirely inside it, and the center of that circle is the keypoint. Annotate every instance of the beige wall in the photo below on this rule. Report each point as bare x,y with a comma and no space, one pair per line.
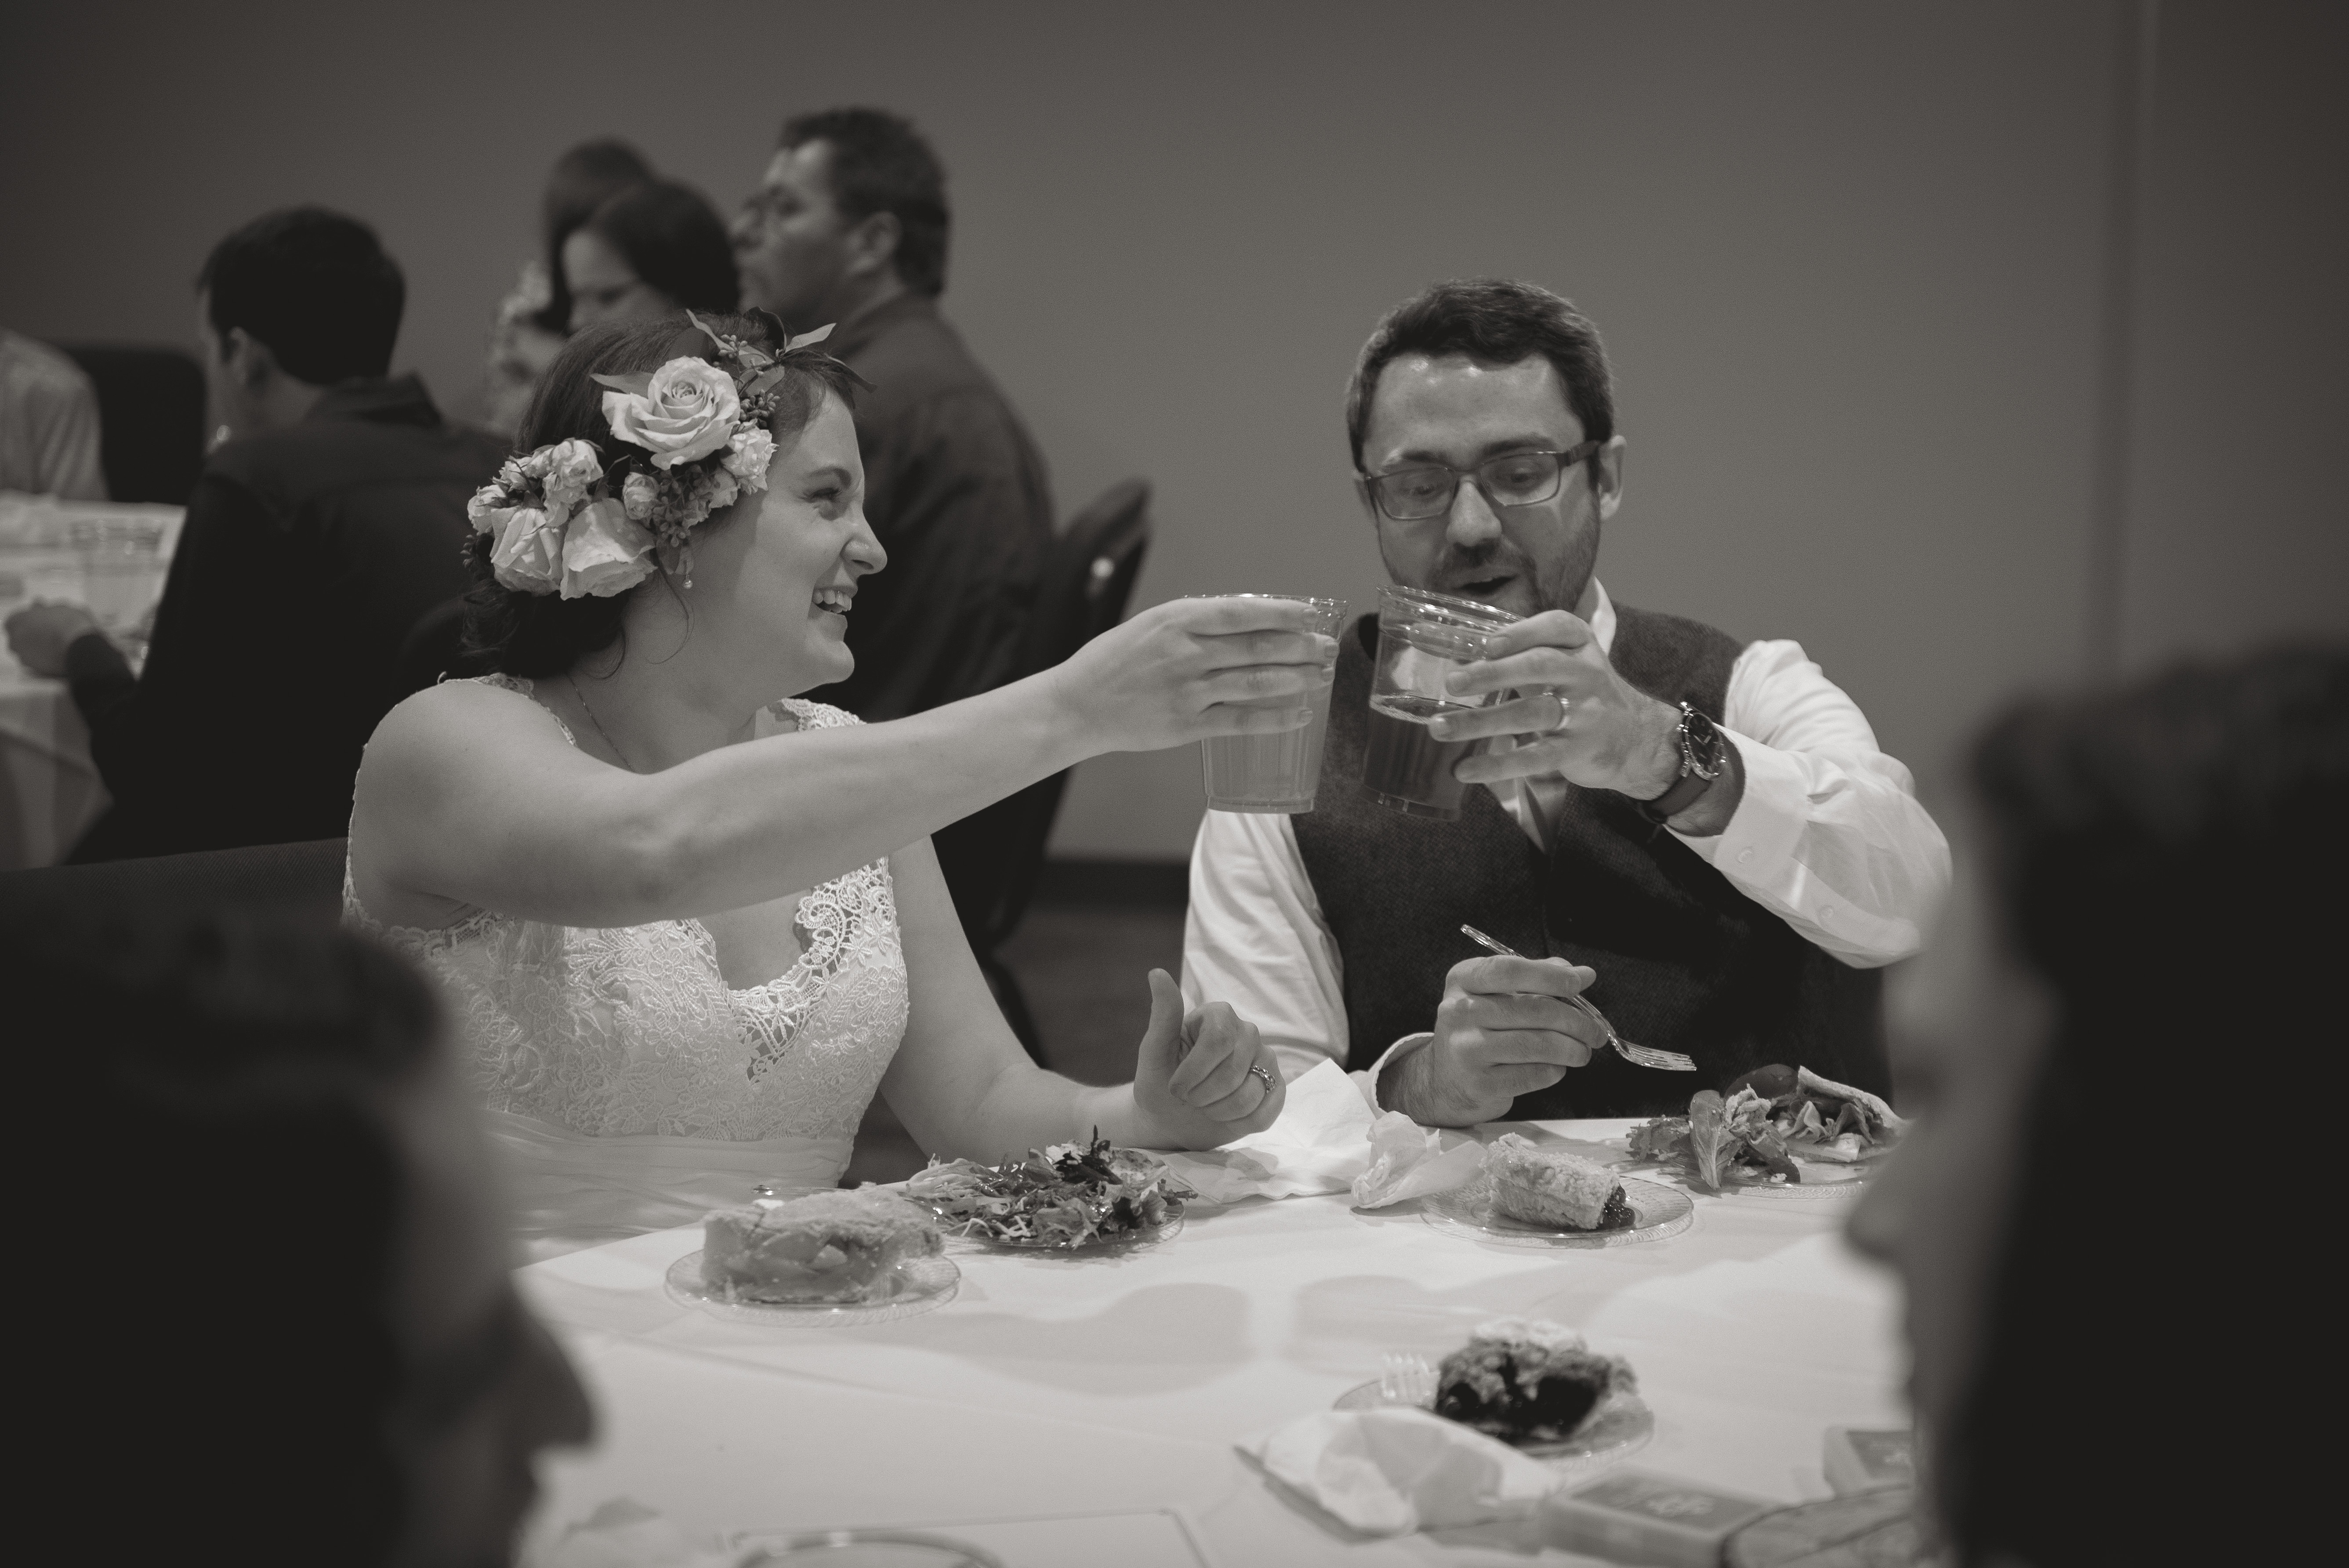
1849,258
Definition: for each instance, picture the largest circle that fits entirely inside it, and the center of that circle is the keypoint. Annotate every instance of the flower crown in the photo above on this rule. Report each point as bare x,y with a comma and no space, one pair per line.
585,519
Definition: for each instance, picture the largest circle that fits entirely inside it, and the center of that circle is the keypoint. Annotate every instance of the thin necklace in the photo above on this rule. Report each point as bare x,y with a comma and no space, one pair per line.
588,709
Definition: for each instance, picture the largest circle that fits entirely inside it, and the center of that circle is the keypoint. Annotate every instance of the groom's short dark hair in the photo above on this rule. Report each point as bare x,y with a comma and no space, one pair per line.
880,163
315,286
1494,320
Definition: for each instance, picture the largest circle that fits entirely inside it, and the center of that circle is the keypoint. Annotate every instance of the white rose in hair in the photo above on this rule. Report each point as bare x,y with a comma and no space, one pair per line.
638,492
686,412
748,459
571,472
528,555
603,553
485,511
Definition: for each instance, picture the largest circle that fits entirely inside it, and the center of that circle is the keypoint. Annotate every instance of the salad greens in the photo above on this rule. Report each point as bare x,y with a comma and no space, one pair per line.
1769,1119
1062,1197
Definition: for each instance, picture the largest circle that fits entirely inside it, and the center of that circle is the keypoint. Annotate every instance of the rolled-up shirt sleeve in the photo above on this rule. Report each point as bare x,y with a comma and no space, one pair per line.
1254,937
1829,834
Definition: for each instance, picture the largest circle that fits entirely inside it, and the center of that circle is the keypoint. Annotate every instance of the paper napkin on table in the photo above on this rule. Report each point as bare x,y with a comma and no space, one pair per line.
1319,1145
1408,1160
1393,1472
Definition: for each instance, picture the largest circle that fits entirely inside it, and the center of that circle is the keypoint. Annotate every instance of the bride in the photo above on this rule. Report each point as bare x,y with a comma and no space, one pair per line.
688,923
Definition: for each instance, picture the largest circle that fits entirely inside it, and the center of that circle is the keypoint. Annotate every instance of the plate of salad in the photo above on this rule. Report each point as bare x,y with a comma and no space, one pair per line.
1063,1198
1778,1132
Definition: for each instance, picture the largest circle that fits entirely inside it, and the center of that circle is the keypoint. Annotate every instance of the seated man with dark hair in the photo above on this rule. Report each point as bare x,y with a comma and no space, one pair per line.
289,1256
851,226
1698,832
315,540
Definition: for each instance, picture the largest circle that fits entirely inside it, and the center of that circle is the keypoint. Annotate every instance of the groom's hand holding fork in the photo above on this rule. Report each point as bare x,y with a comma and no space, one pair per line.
1503,1030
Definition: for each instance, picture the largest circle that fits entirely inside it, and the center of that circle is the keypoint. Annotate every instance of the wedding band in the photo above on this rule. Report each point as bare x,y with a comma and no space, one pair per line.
1258,1072
1559,728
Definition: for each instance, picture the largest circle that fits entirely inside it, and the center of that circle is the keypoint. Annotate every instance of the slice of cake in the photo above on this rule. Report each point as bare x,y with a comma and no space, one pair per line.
1550,1187
836,1246
1526,1381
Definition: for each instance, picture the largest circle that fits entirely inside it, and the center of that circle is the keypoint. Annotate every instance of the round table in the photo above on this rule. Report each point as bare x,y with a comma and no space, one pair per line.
1084,1409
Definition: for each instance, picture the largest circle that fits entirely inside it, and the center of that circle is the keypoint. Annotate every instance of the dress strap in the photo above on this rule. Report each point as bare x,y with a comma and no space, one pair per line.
528,689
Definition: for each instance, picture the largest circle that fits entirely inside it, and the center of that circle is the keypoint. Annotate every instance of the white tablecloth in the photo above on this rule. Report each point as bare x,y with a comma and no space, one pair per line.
1115,1387
49,788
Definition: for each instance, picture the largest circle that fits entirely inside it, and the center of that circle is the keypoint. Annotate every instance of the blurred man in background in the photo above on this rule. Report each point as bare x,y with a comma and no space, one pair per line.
48,423
850,226
315,540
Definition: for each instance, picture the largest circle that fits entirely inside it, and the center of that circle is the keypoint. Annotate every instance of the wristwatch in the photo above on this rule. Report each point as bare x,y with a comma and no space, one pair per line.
1701,760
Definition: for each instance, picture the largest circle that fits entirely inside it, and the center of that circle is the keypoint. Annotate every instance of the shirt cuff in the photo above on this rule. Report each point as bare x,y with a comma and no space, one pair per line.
1768,823
1368,1082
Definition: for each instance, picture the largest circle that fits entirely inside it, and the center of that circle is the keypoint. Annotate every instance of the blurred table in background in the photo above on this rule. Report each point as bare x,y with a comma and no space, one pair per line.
91,554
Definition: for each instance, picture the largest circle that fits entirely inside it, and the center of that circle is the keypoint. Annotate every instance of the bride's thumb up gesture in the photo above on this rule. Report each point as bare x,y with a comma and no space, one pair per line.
1202,1078
1193,668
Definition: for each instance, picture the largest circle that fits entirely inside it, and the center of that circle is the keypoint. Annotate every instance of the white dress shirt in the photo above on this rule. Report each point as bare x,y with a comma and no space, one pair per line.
1828,836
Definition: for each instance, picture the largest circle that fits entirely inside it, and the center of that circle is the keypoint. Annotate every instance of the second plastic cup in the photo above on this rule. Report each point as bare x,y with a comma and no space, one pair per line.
1422,638
1274,773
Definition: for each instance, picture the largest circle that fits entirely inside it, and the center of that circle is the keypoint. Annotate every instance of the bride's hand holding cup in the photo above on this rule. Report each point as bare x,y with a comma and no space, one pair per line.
1196,668
1202,1078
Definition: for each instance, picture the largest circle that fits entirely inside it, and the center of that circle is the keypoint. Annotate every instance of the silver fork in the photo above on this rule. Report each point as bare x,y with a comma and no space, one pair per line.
1638,1056
1409,1379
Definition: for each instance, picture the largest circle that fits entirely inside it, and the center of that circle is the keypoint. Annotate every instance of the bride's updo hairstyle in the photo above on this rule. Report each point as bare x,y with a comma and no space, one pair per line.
526,634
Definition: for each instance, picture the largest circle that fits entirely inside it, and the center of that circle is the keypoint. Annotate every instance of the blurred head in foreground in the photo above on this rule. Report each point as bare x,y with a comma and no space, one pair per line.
2111,1018
304,1320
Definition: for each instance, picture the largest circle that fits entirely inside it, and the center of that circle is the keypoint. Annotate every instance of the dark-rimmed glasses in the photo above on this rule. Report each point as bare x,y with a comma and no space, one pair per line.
1424,491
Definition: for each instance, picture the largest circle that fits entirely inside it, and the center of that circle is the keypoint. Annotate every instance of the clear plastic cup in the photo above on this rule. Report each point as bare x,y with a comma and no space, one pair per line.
122,567
1422,638
1274,773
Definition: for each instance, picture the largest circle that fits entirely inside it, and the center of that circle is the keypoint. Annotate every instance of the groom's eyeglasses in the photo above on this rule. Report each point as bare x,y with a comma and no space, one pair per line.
1424,491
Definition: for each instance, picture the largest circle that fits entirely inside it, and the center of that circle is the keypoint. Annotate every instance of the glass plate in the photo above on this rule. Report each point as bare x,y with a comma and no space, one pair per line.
1130,1242
1656,1212
1821,1179
870,1549
919,1285
1621,1425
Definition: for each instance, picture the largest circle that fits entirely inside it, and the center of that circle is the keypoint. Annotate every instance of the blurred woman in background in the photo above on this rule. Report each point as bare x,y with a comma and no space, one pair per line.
534,318
649,250
2109,1290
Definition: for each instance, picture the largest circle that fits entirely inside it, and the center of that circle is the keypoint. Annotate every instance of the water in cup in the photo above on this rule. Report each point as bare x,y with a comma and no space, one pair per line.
1278,772
1424,637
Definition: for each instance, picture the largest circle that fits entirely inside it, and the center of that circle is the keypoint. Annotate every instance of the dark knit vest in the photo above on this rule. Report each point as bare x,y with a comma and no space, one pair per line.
1685,961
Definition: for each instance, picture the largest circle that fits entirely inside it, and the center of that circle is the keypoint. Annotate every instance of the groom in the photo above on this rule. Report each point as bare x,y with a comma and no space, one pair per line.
1699,833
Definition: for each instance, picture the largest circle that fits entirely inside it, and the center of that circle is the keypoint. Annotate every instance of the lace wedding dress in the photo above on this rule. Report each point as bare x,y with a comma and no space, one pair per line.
636,1090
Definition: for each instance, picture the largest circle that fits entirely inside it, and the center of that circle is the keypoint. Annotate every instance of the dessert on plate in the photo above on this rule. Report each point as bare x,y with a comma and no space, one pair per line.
1550,1187
826,1247
1527,1380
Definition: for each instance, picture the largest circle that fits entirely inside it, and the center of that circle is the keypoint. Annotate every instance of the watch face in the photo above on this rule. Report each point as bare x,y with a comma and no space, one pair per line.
1704,739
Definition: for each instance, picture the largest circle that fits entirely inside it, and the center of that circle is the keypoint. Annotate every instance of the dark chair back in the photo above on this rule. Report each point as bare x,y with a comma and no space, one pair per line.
301,880
1088,578
151,416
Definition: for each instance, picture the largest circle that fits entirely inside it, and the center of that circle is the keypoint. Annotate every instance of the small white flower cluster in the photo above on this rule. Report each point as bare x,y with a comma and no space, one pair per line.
555,523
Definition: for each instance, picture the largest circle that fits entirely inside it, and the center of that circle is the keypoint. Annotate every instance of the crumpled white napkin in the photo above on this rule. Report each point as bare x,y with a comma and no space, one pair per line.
1393,1472
624,1533
1317,1145
1408,1160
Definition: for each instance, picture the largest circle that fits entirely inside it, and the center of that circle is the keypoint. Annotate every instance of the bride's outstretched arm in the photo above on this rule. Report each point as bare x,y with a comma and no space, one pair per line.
469,796
963,1087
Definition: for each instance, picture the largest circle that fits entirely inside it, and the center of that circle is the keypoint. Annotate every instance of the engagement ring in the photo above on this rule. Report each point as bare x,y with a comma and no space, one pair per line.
1258,1072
